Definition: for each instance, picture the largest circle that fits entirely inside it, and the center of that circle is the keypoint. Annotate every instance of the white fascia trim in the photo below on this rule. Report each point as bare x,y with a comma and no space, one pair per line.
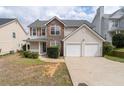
21,26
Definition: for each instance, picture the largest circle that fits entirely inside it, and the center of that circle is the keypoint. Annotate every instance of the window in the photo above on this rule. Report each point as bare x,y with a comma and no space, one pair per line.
13,35
115,23
54,43
34,32
43,31
55,30
52,30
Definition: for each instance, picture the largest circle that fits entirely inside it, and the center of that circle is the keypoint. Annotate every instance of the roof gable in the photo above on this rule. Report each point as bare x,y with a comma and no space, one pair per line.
84,25
118,14
53,19
7,21
37,23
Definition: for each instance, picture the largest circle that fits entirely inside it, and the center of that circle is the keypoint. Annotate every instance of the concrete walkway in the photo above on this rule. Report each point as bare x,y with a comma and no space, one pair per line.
96,71
46,59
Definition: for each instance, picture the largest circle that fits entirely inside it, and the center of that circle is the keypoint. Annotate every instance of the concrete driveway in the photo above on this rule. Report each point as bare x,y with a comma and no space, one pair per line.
95,71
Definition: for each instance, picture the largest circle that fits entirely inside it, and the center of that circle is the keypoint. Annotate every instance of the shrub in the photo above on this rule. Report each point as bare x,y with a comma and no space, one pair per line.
35,55
25,53
117,53
118,40
53,52
107,48
11,52
29,54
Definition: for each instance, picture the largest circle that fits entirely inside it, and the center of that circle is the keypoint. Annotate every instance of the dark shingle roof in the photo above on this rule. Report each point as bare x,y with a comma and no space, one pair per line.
77,23
106,15
68,23
5,20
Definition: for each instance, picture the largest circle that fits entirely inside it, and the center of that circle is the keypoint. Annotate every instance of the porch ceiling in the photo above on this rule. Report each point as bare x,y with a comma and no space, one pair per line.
38,39
116,29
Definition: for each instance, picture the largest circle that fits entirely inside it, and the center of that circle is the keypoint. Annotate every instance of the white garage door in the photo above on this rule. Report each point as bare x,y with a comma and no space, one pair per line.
73,50
91,50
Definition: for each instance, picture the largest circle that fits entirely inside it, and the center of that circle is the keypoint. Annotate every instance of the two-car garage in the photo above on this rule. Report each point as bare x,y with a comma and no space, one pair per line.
88,49
83,42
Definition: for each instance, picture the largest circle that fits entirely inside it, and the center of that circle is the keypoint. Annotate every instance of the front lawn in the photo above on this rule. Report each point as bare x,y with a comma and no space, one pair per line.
15,70
117,59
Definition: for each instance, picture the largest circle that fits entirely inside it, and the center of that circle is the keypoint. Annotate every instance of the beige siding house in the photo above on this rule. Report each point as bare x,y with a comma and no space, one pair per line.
12,35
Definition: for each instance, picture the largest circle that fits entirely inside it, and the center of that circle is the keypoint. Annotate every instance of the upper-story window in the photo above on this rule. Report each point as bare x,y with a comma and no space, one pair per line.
55,30
43,31
34,32
14,35
115,23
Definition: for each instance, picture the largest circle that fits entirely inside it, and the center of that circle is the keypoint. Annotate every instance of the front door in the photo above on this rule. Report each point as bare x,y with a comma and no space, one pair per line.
44,46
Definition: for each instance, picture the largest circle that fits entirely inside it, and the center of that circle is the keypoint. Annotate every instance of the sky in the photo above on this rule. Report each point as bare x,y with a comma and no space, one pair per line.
28,14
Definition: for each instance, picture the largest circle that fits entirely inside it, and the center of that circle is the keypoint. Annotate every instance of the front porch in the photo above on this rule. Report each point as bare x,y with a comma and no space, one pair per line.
111,33
39,46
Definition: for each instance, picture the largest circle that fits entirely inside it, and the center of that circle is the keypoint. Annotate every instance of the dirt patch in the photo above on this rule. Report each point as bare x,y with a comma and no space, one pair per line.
50,69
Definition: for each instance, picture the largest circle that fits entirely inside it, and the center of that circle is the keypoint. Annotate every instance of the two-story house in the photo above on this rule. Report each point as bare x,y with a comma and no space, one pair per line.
12,35
109,24
53,32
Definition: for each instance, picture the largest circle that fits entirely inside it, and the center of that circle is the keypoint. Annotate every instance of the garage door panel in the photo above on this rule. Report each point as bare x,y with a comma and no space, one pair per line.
91,50
73,50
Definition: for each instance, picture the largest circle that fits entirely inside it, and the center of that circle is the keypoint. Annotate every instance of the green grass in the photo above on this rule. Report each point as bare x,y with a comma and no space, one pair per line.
117,59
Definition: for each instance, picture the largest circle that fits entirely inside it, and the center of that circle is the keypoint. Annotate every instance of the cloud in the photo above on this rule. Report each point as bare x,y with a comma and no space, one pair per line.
111,9
28,14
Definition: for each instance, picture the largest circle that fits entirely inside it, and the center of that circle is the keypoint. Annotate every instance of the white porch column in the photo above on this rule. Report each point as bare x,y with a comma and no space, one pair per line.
39,48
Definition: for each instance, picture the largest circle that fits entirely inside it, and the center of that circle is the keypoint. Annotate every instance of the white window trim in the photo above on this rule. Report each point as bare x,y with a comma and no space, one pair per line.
55,43
36,32
55,30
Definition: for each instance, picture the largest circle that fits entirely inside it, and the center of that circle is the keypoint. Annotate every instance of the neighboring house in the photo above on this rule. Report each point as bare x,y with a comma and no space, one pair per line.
75,37
109,24
12,35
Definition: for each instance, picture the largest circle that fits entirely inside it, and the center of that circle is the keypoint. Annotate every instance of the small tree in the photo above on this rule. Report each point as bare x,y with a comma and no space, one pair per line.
118,40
